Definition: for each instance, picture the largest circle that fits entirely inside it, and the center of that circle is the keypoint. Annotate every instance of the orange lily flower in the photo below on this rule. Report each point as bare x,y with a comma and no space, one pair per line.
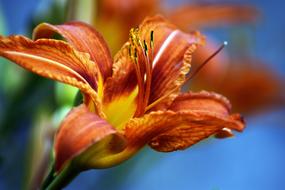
130,101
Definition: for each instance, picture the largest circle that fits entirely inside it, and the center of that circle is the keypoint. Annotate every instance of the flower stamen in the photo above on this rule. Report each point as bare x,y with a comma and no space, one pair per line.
143,68
133,53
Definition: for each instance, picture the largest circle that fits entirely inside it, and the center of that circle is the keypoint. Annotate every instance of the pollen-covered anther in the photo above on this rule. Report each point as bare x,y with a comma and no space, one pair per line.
145,48
134,36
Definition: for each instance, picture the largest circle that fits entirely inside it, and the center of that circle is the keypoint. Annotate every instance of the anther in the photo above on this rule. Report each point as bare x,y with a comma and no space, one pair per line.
151,39
136,56
145,47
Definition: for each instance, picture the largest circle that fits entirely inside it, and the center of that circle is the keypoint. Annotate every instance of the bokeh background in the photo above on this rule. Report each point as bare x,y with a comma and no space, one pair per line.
254,159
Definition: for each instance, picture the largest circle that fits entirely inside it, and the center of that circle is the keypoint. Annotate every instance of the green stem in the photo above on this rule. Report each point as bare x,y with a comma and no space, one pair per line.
49,178
64,177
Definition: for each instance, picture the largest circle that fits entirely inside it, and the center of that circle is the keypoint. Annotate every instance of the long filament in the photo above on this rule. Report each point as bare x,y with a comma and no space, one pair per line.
206,61
190,77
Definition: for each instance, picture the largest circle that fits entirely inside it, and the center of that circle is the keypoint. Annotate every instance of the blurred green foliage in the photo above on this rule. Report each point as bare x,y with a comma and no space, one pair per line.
24,99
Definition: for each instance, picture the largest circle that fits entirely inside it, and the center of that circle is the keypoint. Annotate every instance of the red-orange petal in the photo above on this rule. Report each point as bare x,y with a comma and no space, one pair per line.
203,100
84,38
169,63
201,126
123,80
203,106
168,131
172,89
53,59
81,133
206,101
120,90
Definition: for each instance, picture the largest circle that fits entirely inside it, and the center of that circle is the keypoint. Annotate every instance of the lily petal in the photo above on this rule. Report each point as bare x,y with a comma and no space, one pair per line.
170,46
120,90
202,126
84,38
53,59
207,101
49,58
168,130
204,101
202,105
171,89
197,16
81,135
